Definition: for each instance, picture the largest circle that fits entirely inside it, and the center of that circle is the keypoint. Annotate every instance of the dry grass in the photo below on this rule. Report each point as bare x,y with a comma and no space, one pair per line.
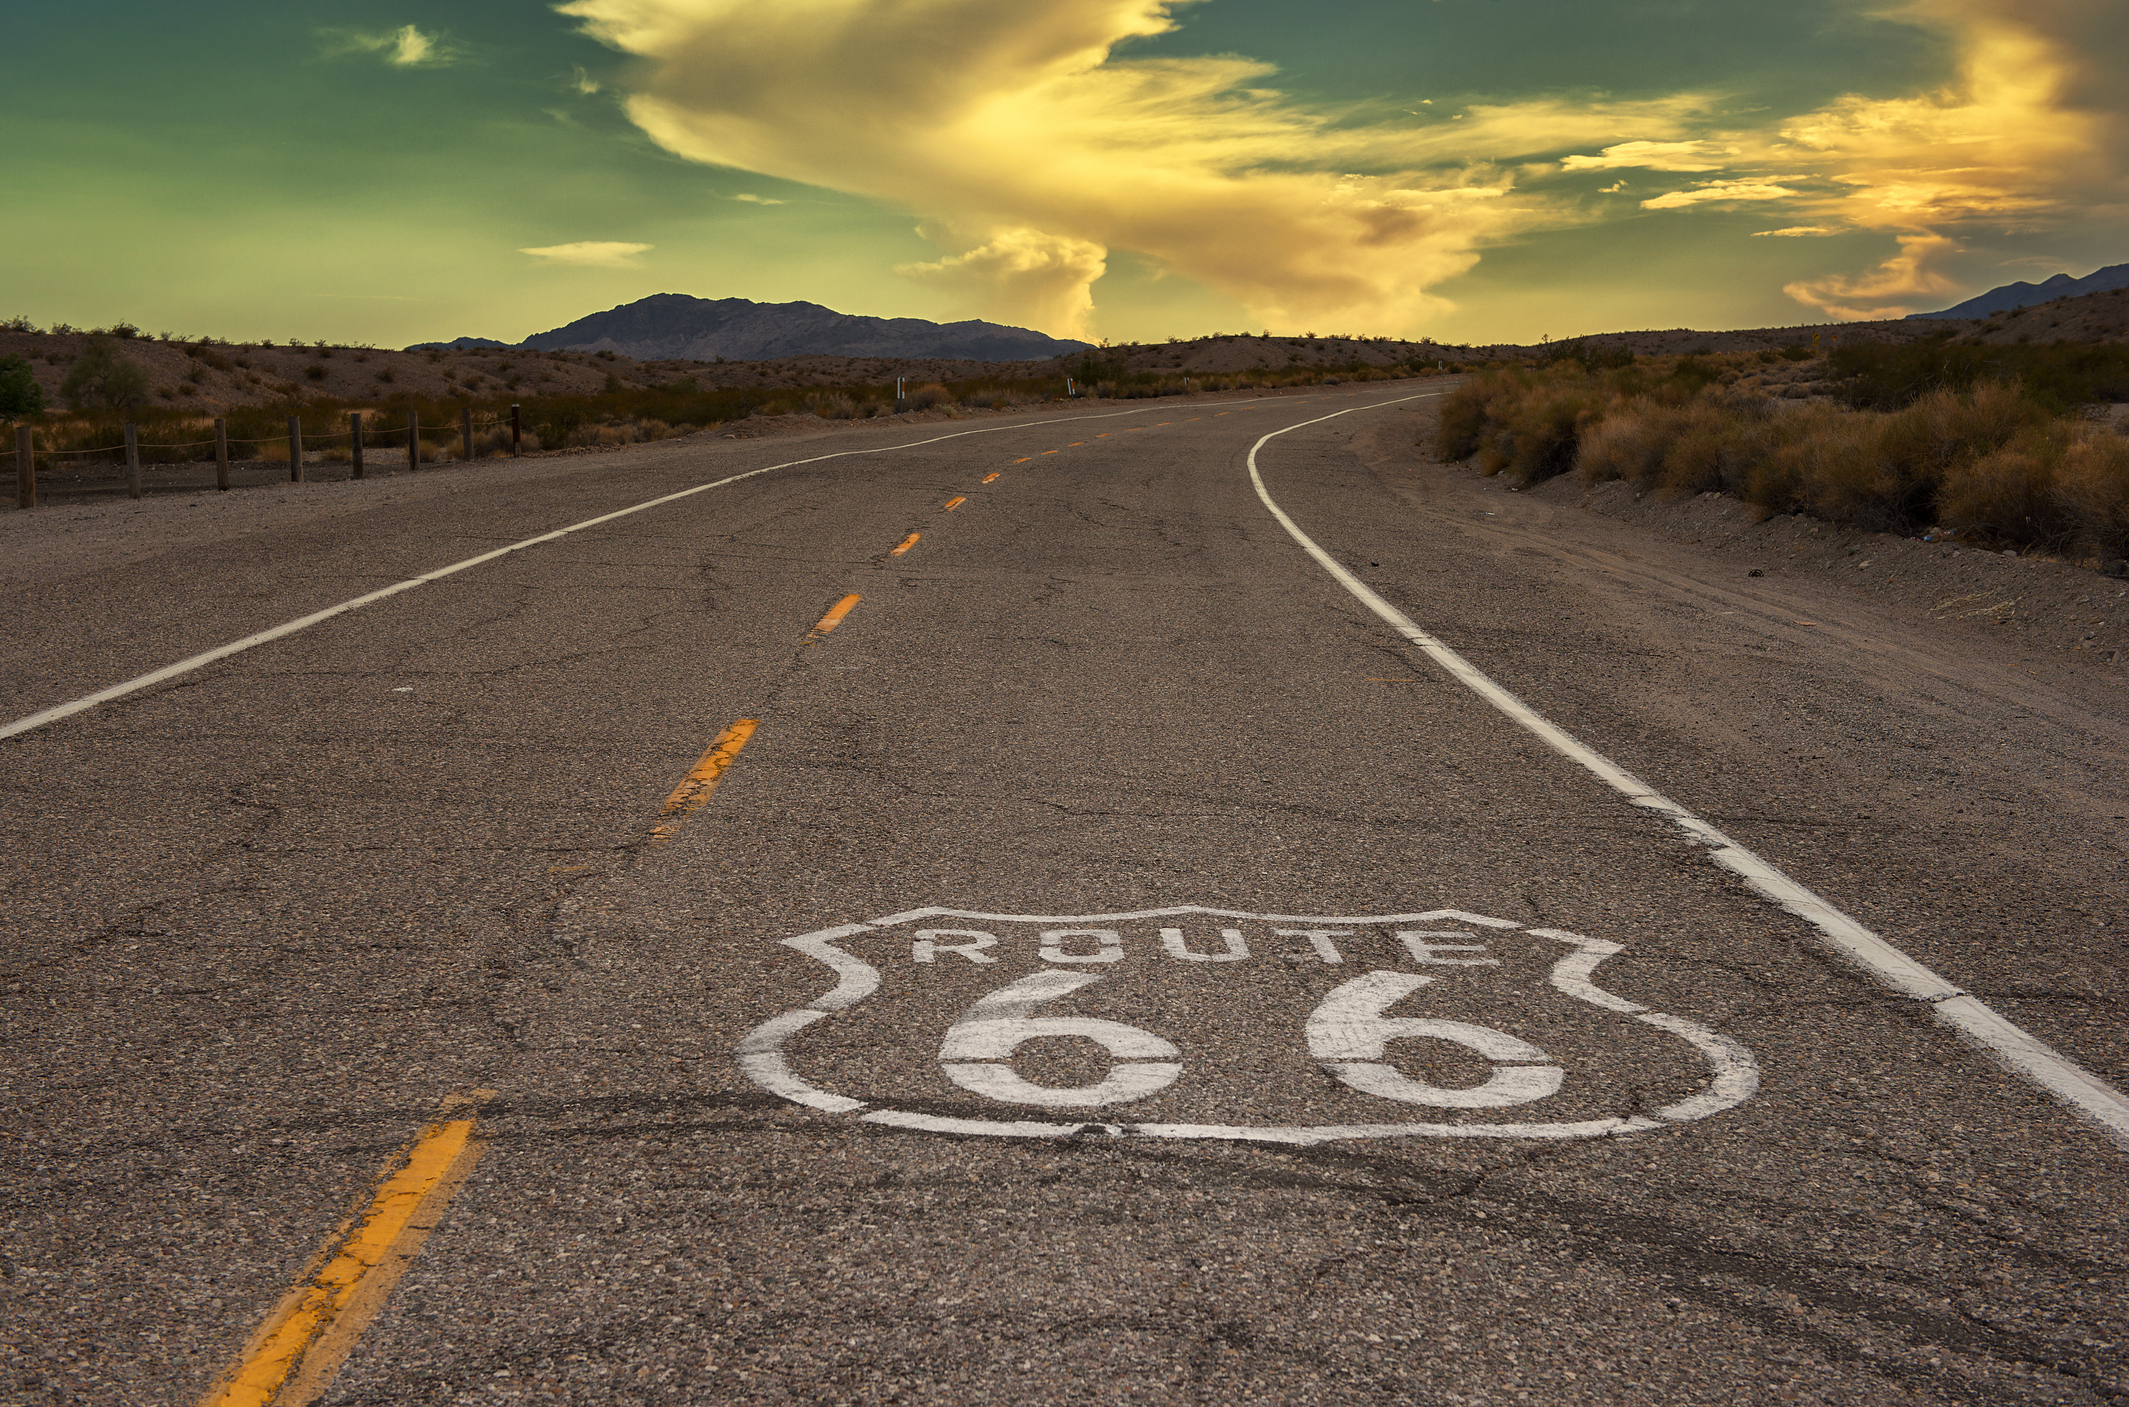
1992,462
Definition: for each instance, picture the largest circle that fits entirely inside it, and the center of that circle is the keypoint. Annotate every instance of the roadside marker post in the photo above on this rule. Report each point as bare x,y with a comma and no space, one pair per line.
354,440
465,431
221,453
517,432
413,442
295,449
132,460
25,467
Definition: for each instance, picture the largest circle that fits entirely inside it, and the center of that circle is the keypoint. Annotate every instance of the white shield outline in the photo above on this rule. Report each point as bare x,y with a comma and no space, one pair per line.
1734,1074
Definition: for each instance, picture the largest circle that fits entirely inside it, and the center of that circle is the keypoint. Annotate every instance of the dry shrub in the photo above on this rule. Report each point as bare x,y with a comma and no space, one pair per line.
832,405
2009,493
2092,490
925,397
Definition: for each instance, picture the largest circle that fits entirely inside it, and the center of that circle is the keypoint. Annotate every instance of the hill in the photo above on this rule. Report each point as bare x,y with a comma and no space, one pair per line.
2013,296
677,327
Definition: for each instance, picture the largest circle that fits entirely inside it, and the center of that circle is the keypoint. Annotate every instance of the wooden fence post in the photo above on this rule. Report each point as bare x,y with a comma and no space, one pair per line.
295,449
132,461
354,439
25,467
221,453
465,430
413,441
517,432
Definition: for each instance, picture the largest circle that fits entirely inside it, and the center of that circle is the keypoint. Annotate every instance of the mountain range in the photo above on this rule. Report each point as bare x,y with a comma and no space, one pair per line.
2027,295
677,327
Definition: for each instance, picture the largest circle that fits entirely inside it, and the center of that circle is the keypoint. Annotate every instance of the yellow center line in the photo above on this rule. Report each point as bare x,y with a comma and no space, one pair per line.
907,543
1075,444
988,477
953,503
696,787
294,1354
1049,451
834,617
1023,460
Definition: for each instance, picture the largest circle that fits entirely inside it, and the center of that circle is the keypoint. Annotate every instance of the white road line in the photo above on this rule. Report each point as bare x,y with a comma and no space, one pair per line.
2016,1050
234,647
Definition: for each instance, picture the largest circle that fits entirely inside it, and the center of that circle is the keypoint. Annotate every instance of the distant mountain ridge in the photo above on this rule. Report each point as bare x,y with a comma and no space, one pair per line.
677,327
2027,295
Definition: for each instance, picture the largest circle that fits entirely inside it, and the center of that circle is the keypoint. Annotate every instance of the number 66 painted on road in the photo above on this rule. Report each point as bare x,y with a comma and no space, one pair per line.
1347,1034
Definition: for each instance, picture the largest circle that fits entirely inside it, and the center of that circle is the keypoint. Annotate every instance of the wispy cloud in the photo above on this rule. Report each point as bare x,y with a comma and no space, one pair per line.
1892,290
1707,192
1655,156
405,47
581,82
752,199
593,253
1029,152
1798,232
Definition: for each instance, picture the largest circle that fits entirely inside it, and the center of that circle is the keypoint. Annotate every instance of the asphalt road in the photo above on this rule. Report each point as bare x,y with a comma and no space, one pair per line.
1390,1056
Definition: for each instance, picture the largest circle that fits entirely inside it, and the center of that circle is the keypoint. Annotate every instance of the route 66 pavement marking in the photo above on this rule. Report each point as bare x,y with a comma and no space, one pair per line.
1449,965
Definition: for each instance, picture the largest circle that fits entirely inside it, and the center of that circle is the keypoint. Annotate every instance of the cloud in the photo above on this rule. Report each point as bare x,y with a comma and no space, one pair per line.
1025,276
1890,291
583,83
592,253
1655,156
1706,191
1030,151
1798,231
405,47
2030,134
753,199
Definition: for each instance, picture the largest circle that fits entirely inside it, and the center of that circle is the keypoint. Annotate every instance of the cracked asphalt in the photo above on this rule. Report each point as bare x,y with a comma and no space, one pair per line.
263,918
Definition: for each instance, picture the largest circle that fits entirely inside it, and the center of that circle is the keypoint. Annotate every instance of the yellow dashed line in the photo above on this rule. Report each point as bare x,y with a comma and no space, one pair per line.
953,503
834,617
1023,461
1075,444
907,543
988,477
695,788
1050,451
292,1358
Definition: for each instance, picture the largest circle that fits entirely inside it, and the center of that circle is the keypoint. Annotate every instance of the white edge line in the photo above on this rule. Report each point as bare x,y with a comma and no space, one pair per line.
2013,1048
221,652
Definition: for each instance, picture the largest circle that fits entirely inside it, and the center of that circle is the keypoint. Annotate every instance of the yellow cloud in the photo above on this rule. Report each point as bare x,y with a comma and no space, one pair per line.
1032,153
404,47
1655,156
594,253
1798,232
1896,288
2029,134
1707,191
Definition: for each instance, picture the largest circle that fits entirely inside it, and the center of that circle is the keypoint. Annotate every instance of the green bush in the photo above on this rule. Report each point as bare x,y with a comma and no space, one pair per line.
100,379
20,395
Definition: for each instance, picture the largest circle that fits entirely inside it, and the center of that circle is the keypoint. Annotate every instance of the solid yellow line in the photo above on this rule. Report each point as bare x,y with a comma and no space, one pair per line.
988,477
953,503
695,788
907,543
835,615
359,1268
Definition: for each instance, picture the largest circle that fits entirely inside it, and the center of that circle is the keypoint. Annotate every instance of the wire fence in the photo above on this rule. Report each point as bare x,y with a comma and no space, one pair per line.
489,429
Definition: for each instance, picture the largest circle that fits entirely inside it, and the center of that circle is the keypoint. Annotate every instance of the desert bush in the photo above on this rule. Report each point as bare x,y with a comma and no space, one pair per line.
831,405
927,396
101,379
20,395
2092,489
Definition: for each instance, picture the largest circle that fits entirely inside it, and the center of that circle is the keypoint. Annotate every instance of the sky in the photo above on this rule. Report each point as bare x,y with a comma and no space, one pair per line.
391,171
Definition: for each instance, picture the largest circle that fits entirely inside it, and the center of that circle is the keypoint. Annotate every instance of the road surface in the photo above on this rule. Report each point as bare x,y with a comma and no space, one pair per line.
979,913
